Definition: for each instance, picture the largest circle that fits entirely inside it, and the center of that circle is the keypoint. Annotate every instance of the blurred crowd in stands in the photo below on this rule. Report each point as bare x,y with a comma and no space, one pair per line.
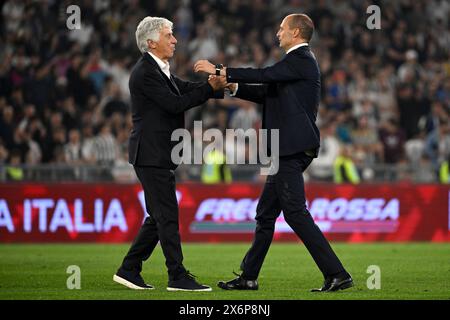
64,94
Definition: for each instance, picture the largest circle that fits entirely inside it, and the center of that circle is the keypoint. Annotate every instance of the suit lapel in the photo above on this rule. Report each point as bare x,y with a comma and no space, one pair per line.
171,83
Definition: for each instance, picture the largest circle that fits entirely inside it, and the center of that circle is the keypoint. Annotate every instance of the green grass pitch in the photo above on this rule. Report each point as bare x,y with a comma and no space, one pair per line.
408,271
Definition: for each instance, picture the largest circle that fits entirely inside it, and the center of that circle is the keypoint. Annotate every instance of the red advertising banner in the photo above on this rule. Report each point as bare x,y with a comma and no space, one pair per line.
216,213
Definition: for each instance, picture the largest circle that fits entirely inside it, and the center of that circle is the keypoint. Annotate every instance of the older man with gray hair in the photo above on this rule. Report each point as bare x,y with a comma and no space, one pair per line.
158,102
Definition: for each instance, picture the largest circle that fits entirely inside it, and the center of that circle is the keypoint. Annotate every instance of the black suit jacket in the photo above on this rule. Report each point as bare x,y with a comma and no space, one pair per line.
290,93
158,105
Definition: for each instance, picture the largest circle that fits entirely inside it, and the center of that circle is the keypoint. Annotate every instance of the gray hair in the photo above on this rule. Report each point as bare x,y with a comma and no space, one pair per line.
149,29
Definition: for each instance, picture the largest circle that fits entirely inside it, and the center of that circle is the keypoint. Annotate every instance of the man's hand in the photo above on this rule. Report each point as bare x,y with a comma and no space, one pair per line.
217,83
204,66
231,87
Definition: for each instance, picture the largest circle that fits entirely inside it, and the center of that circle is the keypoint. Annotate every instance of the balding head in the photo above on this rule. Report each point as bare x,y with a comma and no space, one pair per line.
295,29
303,23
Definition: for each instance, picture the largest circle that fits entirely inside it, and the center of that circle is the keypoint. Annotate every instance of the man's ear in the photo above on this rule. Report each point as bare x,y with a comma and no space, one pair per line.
151,44
296,32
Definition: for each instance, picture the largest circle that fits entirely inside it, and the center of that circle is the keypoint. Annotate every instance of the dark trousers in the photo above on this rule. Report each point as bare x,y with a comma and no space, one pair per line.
161,224
285,191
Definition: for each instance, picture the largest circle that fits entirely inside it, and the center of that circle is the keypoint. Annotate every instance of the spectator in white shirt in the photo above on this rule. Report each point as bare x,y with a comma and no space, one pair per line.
322,167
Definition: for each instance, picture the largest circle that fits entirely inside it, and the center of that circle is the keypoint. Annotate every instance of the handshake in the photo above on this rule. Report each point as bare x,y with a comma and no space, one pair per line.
216,82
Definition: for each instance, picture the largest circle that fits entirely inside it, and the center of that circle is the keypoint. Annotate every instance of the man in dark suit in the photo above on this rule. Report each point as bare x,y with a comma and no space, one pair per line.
158,102
290,93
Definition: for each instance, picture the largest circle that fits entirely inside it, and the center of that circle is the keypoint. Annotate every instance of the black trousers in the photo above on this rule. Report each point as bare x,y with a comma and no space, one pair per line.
161,224
285,191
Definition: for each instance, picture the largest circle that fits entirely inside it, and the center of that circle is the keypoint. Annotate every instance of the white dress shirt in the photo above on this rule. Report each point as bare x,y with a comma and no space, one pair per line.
165,66
297,46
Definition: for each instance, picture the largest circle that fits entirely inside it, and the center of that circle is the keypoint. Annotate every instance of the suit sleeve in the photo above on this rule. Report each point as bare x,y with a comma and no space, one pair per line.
187,86
157,91
254,93
291,68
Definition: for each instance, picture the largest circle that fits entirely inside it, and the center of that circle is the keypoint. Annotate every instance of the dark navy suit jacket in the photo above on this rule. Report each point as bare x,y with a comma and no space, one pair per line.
158,105
290,93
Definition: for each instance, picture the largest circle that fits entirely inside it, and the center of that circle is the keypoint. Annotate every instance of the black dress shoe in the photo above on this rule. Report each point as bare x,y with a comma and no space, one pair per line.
131,279
336,283
186,282
238,284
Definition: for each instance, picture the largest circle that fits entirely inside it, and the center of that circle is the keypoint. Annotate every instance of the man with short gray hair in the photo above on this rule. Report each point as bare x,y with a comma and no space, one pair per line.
158,102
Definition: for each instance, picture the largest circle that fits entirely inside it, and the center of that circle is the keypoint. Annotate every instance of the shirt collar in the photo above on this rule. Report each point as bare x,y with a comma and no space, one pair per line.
297,46
165,66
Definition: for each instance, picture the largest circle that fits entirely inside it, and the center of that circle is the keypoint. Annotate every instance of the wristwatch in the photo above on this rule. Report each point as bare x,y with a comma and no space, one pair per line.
219,67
